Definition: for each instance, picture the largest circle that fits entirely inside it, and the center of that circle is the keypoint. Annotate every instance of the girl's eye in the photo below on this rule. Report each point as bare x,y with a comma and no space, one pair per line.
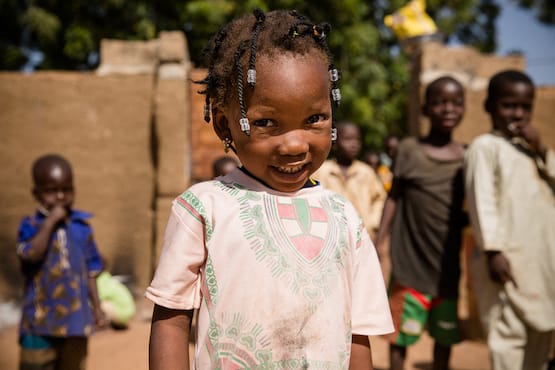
316,118
263,123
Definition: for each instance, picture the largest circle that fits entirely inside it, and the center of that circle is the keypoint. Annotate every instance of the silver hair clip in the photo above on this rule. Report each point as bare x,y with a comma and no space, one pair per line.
251,77
334,75
245,127
336,95
333,134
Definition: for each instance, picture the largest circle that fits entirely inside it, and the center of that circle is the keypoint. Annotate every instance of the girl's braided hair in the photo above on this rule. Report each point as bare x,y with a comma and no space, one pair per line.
234,48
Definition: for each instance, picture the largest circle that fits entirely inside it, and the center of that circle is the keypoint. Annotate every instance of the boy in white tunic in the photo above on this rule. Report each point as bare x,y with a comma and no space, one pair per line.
510,179
282,271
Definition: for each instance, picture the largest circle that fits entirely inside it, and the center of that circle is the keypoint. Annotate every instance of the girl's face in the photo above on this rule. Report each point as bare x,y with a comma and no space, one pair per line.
348,143
56,188
290,118
445,106
512,109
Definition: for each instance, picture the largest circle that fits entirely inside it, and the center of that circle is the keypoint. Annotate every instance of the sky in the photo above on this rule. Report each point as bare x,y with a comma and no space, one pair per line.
519,29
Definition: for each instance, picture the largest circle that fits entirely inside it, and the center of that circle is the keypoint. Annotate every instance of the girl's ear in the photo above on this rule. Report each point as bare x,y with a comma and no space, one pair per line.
221,123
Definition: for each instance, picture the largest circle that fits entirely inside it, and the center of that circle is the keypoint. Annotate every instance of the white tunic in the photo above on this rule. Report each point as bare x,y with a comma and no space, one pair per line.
512,209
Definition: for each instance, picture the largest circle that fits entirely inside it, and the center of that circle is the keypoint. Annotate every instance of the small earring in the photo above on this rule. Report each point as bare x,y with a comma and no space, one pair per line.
227,144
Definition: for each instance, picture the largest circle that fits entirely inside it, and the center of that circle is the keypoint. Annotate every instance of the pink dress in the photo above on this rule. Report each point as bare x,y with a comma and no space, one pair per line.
281,280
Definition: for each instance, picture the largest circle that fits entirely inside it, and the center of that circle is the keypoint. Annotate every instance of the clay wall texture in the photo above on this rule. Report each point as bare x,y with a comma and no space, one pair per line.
135,134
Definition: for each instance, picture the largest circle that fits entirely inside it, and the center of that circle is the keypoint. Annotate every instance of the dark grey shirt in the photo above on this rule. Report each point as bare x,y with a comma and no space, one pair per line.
428,222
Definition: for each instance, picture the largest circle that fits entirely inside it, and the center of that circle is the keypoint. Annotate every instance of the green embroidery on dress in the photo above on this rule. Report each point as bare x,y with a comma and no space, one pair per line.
236,338
303,212
198,207
231,187
211,282
313,286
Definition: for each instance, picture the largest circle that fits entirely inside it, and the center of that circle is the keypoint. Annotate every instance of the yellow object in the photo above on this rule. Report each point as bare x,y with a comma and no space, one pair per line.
411,20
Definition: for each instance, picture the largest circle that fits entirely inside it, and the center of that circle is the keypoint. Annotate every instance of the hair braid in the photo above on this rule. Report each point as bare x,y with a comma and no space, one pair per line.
251,73
270,34
244,121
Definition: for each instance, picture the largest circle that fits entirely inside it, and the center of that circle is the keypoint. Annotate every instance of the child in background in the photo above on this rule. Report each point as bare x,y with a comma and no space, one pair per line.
353,179
372,158
510,181
282,271
387,159
223,165
424,217
60,263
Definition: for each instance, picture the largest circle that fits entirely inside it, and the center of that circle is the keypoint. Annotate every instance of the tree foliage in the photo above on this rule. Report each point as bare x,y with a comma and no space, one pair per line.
374,68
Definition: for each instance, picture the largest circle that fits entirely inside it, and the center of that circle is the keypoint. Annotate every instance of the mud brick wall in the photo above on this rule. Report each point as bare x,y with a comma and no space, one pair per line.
103,126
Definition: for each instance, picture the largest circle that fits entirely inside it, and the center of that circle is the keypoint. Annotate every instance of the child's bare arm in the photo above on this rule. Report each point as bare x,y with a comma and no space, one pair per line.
385,226
169,339
39,242
99,315
361,353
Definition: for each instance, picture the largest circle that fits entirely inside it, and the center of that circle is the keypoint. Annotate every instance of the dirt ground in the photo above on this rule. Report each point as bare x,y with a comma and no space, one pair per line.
128,350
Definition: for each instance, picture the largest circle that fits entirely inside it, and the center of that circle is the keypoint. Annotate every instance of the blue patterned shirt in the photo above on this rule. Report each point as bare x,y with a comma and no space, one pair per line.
56,292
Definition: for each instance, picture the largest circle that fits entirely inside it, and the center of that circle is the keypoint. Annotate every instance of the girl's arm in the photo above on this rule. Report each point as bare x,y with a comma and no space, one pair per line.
361,353
169,339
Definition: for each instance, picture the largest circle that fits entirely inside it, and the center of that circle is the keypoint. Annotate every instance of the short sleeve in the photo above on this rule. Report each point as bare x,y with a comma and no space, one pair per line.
177,279
401,160
94,261
27,230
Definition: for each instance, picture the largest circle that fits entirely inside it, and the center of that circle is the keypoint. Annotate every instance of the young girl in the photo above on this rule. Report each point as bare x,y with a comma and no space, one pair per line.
282,271
425,216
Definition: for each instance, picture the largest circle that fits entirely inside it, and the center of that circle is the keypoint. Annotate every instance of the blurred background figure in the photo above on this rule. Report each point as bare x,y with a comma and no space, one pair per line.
352,178
60,262
387,160
372,158
510,183
424,216
224,165
387,157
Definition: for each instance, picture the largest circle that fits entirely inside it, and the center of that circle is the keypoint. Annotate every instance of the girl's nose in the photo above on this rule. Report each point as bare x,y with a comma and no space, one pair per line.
293,143
60,194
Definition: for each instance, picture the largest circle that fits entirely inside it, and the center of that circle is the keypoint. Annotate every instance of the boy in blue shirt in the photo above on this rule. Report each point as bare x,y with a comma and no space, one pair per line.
60,263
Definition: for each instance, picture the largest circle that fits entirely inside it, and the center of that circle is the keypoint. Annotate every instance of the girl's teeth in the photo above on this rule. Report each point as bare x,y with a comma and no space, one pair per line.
290,169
